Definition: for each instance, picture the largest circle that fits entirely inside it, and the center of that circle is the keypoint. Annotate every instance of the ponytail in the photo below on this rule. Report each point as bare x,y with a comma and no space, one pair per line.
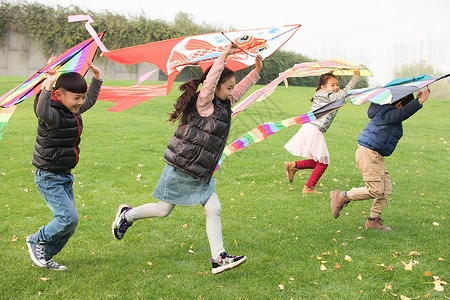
186,103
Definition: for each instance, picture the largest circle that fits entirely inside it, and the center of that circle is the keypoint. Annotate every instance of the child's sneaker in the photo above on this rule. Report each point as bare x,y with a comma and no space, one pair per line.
120,224
226,262
36,250
51,264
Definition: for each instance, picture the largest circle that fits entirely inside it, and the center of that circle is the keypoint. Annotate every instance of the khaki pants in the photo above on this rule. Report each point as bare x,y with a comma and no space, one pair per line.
378,182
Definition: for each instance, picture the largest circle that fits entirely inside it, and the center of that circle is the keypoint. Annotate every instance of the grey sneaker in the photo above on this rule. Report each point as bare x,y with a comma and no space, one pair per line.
51,264
226,262
120,224
36,250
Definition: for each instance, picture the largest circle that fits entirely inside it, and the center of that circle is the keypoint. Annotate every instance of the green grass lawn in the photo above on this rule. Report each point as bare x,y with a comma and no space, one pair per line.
295,248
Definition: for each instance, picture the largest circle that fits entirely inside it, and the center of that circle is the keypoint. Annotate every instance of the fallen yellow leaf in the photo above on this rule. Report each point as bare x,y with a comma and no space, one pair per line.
404,297
359,277
439,288
44,278
408,267
348,258
323,268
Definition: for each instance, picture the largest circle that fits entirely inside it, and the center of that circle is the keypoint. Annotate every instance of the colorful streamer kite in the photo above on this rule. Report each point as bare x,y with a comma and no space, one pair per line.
173,55
393,91
337,65
260,133
73,60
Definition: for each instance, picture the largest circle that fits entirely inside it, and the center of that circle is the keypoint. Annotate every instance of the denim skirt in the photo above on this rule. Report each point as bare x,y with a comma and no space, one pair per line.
176,187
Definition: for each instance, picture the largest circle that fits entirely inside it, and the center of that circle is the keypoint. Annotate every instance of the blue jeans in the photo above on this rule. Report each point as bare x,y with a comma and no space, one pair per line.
58,193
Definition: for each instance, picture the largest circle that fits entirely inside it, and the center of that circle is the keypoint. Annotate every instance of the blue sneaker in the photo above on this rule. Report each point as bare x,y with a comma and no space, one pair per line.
226,262
120,224
37,251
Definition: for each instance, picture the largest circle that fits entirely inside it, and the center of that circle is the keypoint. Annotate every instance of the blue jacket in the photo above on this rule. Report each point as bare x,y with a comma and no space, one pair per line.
384,129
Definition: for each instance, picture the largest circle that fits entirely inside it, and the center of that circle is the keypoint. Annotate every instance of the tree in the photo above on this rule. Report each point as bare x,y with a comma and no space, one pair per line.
440,89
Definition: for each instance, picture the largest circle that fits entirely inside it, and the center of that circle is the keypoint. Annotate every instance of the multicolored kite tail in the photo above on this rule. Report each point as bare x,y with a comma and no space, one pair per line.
5,115
261,132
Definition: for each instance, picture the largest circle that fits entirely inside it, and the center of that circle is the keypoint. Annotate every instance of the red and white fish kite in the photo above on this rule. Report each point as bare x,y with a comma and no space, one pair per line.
173,55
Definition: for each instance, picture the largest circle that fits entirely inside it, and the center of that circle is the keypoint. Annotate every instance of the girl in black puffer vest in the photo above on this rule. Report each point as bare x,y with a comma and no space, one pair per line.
193,153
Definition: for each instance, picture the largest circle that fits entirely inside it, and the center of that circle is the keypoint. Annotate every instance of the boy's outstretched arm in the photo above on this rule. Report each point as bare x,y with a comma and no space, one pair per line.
94,70
43,108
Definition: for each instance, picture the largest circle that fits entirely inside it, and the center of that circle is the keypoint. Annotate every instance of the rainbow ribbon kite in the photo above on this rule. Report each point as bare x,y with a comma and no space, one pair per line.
74,59
393,91
261,132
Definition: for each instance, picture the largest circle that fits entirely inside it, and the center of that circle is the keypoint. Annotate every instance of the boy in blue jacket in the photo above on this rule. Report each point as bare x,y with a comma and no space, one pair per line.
377,140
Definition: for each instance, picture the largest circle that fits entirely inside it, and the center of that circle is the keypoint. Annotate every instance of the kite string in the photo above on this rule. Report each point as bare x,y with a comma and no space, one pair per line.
294,28
252,55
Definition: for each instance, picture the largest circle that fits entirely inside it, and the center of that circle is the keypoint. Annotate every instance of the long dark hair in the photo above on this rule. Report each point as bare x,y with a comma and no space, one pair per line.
186,103
323,79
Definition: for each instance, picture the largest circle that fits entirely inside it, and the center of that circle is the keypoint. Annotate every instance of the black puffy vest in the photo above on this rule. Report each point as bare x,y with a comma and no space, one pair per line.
56,149
196,147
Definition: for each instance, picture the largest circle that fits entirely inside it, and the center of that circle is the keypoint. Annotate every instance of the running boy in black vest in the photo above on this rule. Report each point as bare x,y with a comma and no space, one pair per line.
55,153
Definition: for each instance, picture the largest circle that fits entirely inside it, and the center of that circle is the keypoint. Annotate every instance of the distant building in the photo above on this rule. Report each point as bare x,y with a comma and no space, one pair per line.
433,49
384,56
